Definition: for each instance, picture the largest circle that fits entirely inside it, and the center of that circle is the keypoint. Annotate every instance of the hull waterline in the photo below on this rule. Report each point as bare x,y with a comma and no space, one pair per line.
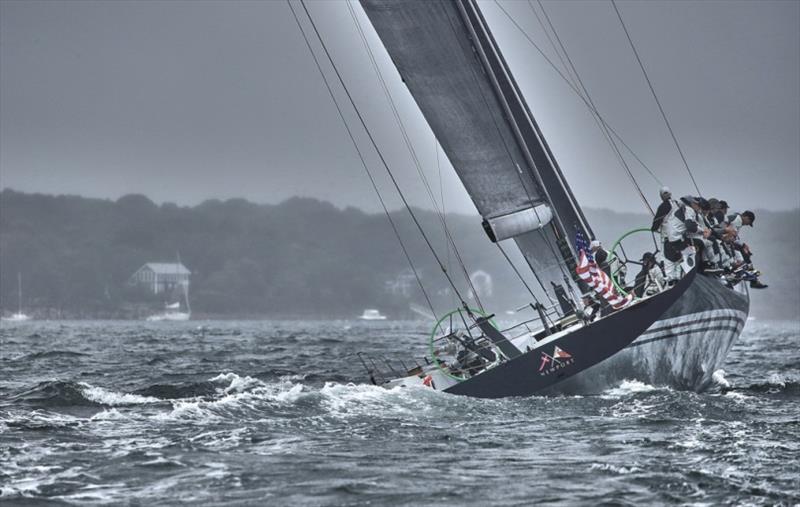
532,372
682,349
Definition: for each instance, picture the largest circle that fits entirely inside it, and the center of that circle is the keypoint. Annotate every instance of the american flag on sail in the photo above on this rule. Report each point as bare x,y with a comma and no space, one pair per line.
600,282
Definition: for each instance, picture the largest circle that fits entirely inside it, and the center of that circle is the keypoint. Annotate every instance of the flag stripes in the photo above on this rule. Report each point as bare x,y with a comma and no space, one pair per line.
600,282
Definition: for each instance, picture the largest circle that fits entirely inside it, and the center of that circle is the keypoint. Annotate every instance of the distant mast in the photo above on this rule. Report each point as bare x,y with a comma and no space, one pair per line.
19,292
185,285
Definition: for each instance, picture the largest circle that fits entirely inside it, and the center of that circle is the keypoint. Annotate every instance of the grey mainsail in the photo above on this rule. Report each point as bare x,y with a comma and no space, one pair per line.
452,66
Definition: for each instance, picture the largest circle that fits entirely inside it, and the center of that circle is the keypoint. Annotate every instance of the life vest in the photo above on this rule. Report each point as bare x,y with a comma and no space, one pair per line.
700,220
674,226
735,221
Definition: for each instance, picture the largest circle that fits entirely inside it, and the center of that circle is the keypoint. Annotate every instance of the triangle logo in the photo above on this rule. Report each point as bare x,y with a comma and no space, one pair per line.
560,354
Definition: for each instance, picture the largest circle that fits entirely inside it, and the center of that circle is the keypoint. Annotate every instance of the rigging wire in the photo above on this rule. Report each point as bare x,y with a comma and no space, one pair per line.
409,144
410,147
603,127
559,259
384,163
552,42
658,102
575,89
441,197
363,161
519,275
395,112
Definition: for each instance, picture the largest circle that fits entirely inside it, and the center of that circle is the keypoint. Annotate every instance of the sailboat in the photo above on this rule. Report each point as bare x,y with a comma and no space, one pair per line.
172,311
19,316
453,68
371,314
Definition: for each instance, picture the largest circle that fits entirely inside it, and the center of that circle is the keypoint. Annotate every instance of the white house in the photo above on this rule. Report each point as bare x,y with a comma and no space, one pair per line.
161,276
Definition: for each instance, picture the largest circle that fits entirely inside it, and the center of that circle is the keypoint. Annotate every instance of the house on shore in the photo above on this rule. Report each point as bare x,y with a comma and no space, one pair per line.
161,277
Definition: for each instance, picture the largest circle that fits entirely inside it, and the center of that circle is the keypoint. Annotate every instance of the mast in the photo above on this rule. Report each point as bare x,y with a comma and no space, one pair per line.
453,68
185,285
19,292
542,162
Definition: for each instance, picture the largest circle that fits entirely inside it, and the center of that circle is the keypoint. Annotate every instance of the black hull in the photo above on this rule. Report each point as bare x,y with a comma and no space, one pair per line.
682,349
585,347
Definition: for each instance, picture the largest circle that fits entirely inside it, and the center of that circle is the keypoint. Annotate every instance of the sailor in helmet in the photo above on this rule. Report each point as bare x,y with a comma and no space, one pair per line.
664,209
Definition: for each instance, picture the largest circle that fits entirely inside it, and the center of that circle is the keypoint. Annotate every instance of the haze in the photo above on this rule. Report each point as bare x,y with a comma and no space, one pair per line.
185,101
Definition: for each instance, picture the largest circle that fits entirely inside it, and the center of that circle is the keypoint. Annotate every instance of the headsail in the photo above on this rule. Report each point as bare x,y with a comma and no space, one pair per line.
453,68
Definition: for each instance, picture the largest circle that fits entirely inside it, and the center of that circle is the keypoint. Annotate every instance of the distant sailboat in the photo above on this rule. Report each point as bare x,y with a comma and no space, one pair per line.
372,314
172,311
19,316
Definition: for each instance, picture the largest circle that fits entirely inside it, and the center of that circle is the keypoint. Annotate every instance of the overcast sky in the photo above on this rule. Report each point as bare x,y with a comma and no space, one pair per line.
185,101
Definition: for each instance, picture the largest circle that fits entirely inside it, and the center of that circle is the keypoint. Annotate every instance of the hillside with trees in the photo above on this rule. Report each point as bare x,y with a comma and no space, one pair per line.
302,258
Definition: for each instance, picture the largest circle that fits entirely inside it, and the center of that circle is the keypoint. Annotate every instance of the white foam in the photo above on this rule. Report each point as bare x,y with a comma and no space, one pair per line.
293,394
343,400
241,392
235,382
777,380
630,387
108,415
608,467
42,417
113,398
719,378
737,396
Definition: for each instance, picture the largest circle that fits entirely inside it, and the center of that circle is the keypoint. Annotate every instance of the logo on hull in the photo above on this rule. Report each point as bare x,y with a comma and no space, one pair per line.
559,359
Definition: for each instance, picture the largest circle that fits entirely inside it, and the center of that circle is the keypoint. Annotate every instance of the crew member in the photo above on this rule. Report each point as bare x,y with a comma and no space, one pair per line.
600,256
591,308
735,222
678,222
663,211
704,238
650,279
721,212
671,238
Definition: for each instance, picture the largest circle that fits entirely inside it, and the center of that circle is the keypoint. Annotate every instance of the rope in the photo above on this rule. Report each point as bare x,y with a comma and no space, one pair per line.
363,162
577,92
519,275
658,102
441,196
410,146
383,160
601,125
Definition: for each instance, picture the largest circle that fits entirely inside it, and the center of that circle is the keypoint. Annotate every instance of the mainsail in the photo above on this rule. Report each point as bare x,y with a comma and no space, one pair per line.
453,68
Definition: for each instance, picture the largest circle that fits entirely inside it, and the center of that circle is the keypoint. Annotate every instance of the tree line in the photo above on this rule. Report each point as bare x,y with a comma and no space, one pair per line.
301,258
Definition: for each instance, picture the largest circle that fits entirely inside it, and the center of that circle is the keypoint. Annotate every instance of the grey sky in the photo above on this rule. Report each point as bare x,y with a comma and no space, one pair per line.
185,101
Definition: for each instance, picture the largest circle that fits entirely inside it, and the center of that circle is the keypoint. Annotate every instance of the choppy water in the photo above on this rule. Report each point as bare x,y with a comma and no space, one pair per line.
278,413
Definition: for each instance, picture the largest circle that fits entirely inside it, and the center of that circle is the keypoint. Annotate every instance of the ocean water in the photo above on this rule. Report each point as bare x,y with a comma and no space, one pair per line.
280,413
